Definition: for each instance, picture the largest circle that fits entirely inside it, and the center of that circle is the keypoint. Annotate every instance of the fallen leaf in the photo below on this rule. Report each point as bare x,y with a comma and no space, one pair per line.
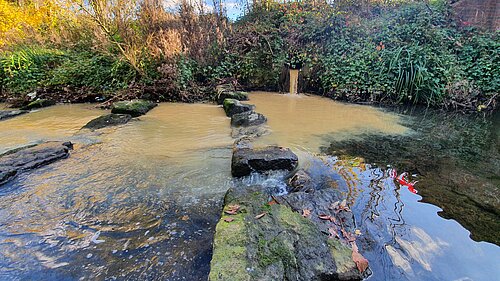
228,219
333,219
272,202
357,232
325,217
260,216
185,218
348,236
306,213
333,232
234,207
231,212
359,260
334,206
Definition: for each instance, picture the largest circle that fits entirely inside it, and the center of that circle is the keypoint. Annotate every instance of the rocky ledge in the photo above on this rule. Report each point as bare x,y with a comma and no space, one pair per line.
26,158
247,160
134,108
107,121
261,237
232,107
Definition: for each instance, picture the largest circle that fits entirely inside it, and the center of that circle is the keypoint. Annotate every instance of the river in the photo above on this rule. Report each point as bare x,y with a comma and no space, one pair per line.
141,201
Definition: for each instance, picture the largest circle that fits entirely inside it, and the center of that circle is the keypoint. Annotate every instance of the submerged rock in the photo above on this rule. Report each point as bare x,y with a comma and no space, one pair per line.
233,106
134,108
107,121
257,240
19,160
301,181
249,118
5,114
227,91
248,160
38,104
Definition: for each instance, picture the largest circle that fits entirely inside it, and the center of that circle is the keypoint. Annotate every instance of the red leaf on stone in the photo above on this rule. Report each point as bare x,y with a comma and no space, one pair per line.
228,219
325,217
306,213
333,232
359,260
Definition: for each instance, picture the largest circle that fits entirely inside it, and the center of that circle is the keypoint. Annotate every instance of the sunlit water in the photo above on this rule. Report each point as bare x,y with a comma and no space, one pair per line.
140,202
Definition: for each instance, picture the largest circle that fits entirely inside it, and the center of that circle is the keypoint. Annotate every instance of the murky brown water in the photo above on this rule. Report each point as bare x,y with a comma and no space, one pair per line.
309,122
140,201
56,122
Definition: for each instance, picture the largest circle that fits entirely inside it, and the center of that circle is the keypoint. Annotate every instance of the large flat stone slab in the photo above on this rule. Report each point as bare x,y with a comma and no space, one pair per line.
107,121
248,160
232,107
27,158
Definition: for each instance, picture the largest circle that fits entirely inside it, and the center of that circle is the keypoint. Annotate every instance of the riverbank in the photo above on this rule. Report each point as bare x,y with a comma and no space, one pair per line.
406,53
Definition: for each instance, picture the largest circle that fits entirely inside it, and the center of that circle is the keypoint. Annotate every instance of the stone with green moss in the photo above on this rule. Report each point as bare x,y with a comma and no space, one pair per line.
281,245
233,106
38,104
134,108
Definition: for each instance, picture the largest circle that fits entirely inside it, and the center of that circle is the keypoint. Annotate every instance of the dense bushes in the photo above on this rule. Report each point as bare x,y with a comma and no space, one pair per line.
401,52
409,53
24,70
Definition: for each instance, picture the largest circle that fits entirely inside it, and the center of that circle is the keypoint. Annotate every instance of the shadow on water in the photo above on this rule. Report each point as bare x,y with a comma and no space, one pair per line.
455,158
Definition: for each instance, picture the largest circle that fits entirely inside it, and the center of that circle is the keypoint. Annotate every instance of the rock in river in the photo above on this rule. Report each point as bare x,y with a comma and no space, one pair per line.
227,91
134,108
5,114
19,160
107,121
248,160
257,240
38,104
248,118
232,106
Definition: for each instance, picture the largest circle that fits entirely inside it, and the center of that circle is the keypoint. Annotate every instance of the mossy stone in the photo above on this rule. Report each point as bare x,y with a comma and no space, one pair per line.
134,108
38,104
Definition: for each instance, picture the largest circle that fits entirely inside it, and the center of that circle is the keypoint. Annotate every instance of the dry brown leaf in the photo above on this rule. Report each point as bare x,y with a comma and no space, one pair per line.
185,218
234,207
260,216
333,219
231,212
333,232
324,217
359,260
306,213
228,219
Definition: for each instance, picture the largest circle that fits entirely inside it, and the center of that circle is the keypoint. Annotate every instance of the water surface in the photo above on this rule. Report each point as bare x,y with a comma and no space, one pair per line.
141,201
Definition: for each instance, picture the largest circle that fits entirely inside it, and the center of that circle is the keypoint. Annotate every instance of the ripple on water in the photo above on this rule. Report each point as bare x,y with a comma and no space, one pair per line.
142,201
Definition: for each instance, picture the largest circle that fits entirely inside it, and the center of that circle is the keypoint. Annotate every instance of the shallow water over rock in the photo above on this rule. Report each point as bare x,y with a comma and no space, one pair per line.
141,200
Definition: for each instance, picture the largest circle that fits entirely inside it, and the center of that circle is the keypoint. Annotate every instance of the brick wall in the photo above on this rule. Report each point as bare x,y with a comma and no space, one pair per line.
484,13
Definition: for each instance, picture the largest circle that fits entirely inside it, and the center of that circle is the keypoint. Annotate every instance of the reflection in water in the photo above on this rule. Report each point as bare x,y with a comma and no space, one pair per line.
301,121
142,201
402,238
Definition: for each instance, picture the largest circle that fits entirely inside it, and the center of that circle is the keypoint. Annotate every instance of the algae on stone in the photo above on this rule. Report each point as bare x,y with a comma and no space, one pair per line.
134,108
